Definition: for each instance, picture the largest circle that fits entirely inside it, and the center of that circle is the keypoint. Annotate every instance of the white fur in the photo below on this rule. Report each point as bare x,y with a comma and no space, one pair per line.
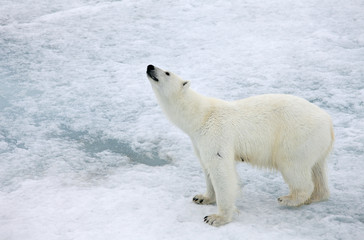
280,132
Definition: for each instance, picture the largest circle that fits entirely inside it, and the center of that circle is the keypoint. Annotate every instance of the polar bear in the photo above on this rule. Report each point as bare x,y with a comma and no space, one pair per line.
275,131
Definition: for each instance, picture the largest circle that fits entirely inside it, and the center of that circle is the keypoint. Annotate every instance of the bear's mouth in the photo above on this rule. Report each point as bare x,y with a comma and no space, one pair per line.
152,76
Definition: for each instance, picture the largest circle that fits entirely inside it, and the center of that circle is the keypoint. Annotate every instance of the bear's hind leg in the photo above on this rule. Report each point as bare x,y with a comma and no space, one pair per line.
319,178
300,183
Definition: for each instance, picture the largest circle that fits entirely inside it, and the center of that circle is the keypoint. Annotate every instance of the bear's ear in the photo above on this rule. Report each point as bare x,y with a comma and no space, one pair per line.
186,84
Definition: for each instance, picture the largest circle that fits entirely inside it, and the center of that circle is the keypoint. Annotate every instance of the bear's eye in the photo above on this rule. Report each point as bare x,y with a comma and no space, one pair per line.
167,73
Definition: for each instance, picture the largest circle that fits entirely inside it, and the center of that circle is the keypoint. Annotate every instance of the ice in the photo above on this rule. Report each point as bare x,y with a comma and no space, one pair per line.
86,152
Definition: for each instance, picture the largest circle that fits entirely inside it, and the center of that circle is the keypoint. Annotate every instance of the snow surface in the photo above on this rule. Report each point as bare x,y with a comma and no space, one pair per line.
86,153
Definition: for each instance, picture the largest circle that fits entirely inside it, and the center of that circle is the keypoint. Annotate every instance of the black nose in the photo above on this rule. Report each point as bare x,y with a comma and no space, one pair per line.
150,68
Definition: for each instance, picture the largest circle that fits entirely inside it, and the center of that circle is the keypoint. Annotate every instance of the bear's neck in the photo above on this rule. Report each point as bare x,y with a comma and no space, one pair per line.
187,111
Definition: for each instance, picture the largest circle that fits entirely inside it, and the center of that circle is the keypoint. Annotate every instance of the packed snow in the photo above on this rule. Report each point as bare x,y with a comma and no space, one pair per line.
86,152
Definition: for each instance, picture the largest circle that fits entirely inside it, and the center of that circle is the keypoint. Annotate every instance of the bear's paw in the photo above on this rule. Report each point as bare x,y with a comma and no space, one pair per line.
216,220
201,199
291,201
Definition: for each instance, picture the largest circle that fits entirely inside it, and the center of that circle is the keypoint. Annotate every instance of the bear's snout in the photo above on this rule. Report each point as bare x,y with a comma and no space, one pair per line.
151,72
150,68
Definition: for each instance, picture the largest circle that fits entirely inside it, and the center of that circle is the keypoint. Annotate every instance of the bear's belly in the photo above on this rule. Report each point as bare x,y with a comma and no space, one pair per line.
241,159
264,162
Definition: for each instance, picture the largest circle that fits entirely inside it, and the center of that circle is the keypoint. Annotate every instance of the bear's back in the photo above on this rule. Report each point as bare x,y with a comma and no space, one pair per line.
279,105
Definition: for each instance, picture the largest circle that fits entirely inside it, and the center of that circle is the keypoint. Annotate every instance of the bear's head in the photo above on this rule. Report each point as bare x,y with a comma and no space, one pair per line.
166,84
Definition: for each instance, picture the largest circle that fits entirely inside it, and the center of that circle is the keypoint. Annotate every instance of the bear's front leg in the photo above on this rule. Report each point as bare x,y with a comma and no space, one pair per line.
209,196
221,169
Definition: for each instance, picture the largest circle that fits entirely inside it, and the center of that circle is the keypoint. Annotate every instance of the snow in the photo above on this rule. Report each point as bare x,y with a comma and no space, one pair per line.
86,153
